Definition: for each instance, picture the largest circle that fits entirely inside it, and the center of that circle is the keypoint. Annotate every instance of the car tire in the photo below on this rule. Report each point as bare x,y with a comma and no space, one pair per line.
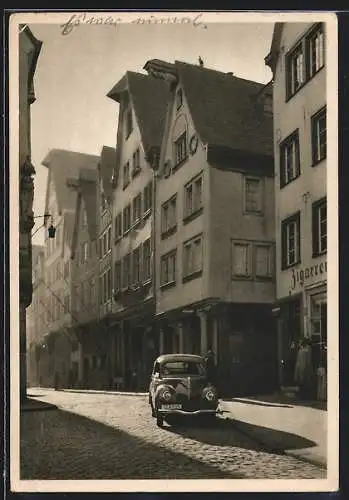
159,421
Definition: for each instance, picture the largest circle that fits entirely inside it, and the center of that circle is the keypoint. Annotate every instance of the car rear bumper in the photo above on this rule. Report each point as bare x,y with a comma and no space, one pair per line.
160,411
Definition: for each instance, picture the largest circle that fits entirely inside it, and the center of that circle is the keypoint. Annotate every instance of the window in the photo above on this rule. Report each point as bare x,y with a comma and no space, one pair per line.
146,260
84,217
148,197
318,133
66,269
109,239
136,163
179,99
180,147
264,261
126,278
289,159
118,226
192,257
253,195
305,60
117,275
295,69
136,265
129,124
103,203
241,259
319,227
168,268
85,251
169,215
315,50
127,218
193,197
290,241
137,208
126,179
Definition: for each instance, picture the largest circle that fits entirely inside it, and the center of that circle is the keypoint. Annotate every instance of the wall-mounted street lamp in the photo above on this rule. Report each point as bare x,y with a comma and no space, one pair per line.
51,229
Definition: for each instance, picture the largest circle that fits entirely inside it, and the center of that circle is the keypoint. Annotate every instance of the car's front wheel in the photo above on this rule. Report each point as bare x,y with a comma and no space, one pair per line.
159,421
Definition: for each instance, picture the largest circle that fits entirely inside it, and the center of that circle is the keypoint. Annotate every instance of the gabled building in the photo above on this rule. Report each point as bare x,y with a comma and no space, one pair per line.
298,62
84,271
142,107
60,204
214,229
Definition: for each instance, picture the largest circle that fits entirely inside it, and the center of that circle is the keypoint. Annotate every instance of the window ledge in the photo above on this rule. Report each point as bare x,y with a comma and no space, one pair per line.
315,255
135,172
257,213
192,216
168,232
289,95
165,286
290,266
283,185
180,163
317,162
125,186
241,277
192,276
125,233
118,239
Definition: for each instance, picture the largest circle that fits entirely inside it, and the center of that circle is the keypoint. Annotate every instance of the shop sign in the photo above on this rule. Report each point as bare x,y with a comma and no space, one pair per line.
301,276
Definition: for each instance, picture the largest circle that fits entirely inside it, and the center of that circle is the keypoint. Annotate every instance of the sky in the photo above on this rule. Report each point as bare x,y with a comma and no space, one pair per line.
76,71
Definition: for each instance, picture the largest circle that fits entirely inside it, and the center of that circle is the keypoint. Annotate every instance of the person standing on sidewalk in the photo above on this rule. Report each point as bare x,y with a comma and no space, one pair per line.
210,366
304,369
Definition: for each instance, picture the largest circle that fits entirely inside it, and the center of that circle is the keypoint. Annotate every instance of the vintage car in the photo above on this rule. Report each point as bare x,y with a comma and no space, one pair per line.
179,387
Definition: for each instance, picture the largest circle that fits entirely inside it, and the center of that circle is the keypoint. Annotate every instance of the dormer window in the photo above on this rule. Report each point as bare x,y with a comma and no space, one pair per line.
179,99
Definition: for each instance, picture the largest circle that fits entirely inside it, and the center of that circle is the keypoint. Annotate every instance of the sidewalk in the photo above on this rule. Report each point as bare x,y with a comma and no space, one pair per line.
285,426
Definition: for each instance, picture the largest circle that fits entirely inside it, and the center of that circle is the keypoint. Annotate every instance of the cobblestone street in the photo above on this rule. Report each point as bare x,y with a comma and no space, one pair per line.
108,436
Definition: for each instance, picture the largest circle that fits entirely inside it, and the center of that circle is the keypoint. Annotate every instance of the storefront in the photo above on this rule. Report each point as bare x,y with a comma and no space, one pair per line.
303,315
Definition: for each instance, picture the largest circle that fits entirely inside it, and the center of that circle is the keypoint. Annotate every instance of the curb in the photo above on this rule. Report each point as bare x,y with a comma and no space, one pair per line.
115,393
43,407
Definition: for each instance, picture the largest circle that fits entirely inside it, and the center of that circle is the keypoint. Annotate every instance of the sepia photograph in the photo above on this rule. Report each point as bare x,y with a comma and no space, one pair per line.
174,307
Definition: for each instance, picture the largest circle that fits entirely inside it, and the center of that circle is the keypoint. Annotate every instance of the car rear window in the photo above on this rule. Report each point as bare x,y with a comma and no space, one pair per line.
183,368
